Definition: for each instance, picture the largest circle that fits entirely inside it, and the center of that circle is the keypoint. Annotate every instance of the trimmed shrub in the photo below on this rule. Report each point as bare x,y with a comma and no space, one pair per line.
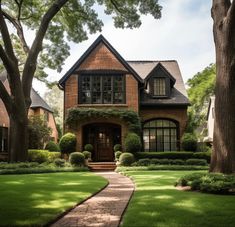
39,156
88,147
117,155
52,146
203,155
154,161
87,155
68,143
196,162
51,156
165,155
132,143
126,159
77,159
143,162
117,147
59,162
177,162
189,142
209,182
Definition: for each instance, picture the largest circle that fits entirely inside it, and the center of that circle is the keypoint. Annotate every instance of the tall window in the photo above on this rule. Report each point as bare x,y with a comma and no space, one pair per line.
160,135
3,139
102,89
159,87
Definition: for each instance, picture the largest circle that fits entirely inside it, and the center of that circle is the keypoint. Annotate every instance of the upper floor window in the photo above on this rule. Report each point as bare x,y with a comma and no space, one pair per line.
102,89
159,87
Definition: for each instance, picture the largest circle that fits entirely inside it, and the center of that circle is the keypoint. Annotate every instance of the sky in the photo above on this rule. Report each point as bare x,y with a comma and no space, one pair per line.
184,33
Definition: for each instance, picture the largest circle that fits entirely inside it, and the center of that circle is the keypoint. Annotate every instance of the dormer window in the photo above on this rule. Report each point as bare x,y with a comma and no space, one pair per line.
159,87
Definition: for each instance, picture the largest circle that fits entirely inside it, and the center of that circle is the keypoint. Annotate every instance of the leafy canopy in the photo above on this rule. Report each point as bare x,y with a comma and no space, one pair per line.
73,22
201,88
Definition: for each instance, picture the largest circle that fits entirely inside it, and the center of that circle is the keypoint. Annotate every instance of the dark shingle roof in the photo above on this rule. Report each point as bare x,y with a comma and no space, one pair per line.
178,93
37,100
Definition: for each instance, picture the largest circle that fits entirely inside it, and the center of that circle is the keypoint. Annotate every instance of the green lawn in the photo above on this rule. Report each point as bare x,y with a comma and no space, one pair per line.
156,202
34,199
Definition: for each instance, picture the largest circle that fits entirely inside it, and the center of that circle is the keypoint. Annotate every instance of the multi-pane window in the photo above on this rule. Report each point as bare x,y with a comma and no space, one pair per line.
3,139
102,89
160,135
159,87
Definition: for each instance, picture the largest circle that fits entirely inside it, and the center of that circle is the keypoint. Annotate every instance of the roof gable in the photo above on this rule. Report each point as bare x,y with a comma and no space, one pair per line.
81,60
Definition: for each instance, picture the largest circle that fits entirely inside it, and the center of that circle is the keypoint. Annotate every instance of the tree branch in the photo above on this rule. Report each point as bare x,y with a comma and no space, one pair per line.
6,98
30,65
231,16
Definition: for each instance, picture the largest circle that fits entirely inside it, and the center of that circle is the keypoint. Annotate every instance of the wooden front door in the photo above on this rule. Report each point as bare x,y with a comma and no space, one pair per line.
103,137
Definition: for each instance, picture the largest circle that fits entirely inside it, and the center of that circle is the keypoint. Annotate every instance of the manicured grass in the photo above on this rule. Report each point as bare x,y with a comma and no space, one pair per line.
156,202
35,199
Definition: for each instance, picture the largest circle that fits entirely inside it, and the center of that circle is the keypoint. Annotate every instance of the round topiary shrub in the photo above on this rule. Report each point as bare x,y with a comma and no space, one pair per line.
77,159
126,159
117,155
88,147
52,146
189,142
68,143
87,155
59,162
117,147
132,143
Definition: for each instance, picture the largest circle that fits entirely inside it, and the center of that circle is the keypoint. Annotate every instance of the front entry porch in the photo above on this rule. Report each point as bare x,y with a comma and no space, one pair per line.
103,136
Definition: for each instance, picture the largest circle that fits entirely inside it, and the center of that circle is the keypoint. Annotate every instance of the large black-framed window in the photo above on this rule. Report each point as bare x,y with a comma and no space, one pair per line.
160,135
102,89
3,139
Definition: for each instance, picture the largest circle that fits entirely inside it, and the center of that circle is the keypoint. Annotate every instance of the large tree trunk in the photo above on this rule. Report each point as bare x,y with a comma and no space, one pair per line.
223,155
18,139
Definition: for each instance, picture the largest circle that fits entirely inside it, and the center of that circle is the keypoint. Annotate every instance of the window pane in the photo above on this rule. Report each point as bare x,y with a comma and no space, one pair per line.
159,86
107,89
86,89
96,89
118,89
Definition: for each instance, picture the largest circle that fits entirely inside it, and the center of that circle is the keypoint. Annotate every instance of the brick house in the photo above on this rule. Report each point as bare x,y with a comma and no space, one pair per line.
38,108
102,79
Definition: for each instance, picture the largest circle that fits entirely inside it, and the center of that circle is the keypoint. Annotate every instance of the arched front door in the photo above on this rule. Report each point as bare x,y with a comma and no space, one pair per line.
103,137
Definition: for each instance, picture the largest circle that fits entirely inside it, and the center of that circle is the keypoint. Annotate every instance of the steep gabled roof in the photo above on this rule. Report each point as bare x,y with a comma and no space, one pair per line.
178,93
38,101
89,50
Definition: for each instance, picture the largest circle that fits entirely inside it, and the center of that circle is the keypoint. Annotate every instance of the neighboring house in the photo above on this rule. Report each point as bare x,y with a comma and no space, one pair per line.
155,90
210,120
38,107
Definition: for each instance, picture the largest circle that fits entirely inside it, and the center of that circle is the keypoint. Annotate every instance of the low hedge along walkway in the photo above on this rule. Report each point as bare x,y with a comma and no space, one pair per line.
103,209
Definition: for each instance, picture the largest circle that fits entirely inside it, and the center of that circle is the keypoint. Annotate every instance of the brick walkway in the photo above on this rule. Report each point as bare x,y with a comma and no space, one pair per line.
103,209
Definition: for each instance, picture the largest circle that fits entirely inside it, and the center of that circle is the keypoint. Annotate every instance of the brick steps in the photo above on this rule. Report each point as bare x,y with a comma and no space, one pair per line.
101,166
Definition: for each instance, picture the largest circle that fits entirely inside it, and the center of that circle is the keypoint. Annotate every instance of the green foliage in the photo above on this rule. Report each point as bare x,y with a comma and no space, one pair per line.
209,182
199,162
202,87
126,159
203,155
87,155
88,147
132,143
77,159
68,143
117,155
59,162
41,156
165,155
189,142
117,147
52,146
51,156
18,165
78,115
39,132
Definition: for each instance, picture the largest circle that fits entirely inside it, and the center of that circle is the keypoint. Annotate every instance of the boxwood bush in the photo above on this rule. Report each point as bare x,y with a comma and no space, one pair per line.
202,155
117,147
77,159
117,155
197,162
87,155
52,146
126,159
68,143
189,142
209,182
88,147
41,156
59,162
132,143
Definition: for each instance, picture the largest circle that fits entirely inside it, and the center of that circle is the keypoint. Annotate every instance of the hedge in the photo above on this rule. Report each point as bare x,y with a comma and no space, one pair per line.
41,156
184,155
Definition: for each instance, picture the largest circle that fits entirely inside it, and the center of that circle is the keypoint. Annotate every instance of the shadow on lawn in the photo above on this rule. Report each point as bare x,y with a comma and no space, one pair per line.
157,202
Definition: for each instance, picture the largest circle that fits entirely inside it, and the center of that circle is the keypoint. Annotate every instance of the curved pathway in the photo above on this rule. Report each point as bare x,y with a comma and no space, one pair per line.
103,209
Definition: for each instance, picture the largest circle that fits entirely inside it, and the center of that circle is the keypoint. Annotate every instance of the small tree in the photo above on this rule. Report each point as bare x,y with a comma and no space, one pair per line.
39,132
68,143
